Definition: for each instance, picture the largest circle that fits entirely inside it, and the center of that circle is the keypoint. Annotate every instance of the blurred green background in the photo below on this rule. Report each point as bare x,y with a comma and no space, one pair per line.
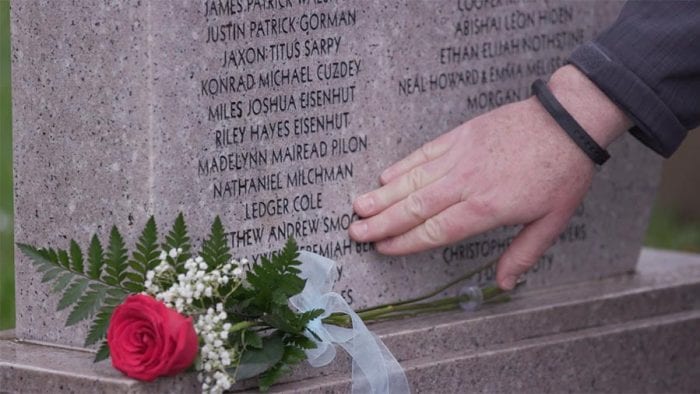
7,304
671,228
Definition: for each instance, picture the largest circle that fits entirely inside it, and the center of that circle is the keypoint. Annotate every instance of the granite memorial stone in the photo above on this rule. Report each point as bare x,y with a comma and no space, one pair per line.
275,114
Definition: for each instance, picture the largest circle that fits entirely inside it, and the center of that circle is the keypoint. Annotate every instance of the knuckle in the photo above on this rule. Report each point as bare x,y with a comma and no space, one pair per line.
464,176
434,231
462,181
426,151
482,207
414,206
415,179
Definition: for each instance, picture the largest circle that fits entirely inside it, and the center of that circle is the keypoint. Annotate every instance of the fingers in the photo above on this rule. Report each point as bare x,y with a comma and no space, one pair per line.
409,212
457,222
529,245
380,199
424,154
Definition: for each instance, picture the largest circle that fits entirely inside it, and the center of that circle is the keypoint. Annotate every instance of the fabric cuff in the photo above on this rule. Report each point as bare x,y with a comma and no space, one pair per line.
655,124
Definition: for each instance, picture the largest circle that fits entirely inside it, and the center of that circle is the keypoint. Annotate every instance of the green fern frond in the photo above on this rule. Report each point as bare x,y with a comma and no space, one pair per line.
98,328
50,274
116,258
72,293
177,238
63,259
292,355
76,257
39,257
102,352
215,250
62,281
95,258
87,305
145,257
277,279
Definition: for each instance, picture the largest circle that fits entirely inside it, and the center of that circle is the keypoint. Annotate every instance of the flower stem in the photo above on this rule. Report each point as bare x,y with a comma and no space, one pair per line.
490,294
436,291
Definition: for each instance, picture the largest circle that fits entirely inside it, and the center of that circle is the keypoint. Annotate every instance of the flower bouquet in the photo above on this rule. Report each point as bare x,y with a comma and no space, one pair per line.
162,309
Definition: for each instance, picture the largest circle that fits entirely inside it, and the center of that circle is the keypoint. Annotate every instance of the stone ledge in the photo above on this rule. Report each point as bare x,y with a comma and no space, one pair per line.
551,328
650,355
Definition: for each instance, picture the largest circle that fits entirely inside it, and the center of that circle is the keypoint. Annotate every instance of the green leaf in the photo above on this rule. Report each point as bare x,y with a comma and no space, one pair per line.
98,328
50,274
302,342
279,297
102,352
39,257
43,267
282,318
215,250
116,257
252,339
95,258
72,293
276,279
306,317
76,257
117,293
287,320
292,355
134,277
62,281
145,257
256,361
134,287
87,305
51,255
63,258
177,238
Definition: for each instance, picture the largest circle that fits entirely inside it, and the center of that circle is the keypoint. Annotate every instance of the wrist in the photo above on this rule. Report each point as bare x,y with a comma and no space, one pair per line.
600,117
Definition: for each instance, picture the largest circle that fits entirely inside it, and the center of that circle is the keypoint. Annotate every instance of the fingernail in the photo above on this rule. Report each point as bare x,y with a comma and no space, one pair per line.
358,229
364,203
509,282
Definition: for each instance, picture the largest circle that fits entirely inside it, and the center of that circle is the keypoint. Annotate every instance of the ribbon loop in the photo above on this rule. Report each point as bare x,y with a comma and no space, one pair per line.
374,369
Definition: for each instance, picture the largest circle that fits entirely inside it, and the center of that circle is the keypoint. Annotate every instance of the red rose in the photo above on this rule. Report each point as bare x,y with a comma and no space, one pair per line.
147,339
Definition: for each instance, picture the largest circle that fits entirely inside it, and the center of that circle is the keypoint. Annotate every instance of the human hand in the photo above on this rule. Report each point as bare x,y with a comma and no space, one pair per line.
513,165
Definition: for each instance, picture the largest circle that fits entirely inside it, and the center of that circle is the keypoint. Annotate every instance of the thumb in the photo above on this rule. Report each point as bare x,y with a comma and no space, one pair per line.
527,247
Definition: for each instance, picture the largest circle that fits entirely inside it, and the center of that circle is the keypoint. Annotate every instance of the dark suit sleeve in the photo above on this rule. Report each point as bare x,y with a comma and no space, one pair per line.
648,62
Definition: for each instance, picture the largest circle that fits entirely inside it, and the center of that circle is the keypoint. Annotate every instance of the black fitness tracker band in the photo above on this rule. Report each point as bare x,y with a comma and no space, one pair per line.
569,124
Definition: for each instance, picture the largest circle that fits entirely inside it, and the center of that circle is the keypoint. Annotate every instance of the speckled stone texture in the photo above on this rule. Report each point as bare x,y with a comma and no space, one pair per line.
122,108
630,333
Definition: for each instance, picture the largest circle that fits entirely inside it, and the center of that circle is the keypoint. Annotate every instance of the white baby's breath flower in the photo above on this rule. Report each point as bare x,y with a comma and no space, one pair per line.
192,286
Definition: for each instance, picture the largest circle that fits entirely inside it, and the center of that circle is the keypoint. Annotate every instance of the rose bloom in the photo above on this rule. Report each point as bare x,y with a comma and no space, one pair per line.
147,339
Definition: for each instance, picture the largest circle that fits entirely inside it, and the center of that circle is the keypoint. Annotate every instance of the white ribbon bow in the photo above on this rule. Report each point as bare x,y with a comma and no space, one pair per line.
374,368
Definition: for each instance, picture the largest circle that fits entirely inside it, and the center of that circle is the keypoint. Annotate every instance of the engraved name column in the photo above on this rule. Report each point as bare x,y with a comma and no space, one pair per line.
277,101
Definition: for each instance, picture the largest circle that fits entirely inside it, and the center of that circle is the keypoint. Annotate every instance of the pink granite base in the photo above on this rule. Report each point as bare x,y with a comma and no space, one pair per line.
634,333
